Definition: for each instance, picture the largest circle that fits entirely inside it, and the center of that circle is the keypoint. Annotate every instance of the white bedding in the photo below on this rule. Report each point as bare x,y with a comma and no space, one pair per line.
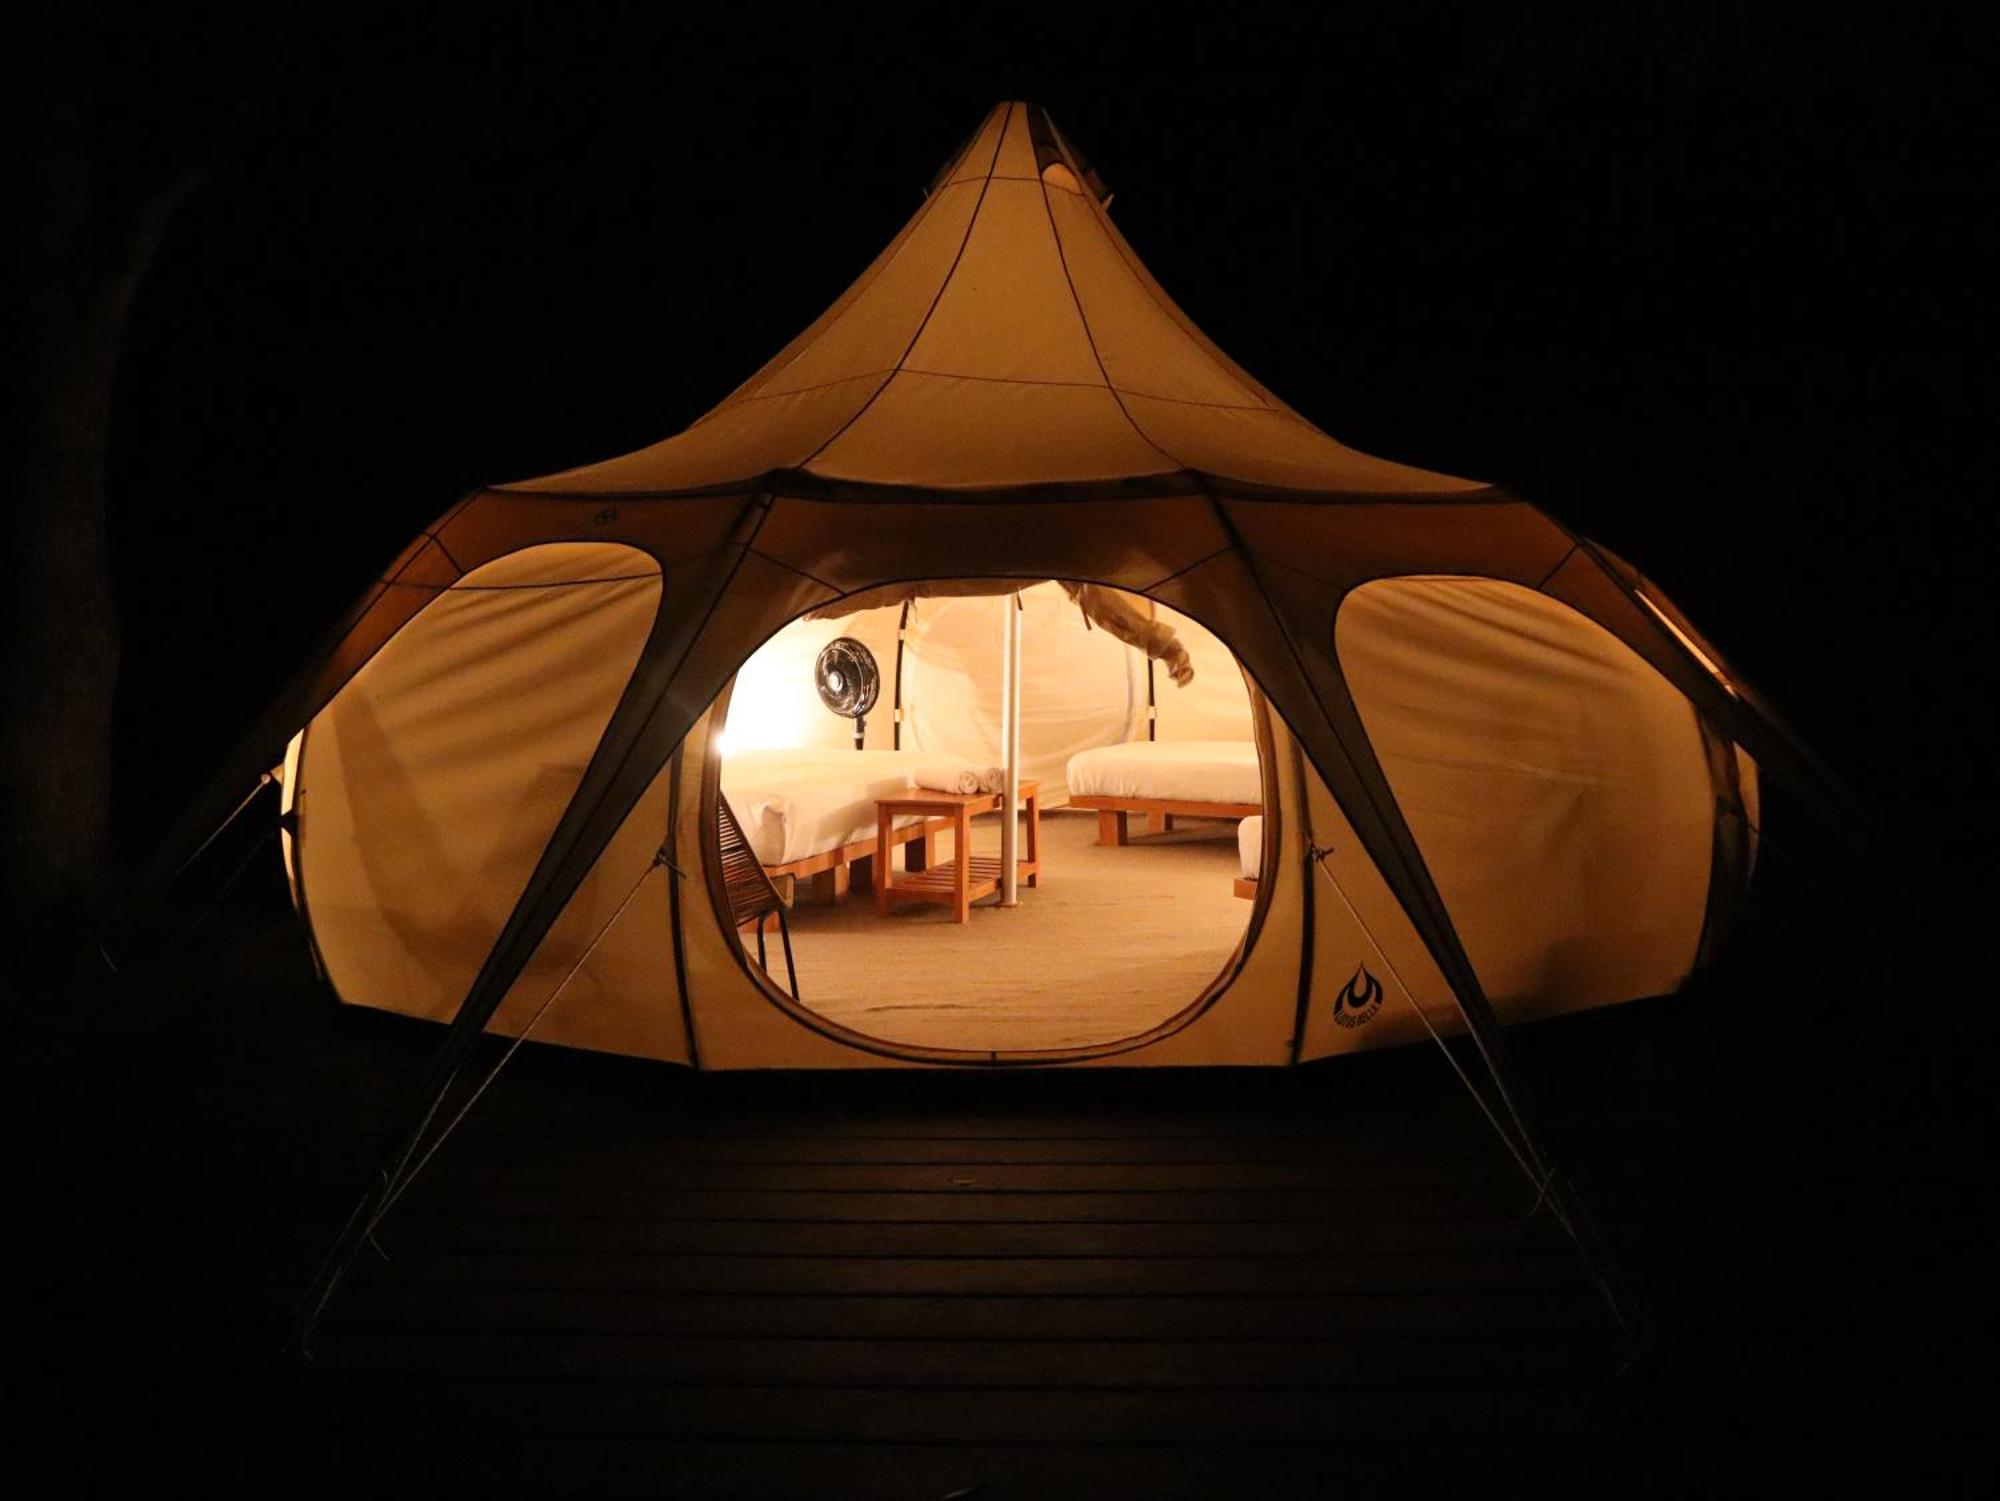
1250,846
1186,771
797,803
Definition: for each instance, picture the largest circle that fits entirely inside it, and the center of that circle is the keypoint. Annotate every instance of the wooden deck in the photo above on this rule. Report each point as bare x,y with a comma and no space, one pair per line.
624,1279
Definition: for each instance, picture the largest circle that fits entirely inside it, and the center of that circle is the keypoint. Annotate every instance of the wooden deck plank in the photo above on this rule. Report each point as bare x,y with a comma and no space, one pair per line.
962,1364
565,1233
605,1167
586,1407
535,1465
1425,1314
626,1279
976,1276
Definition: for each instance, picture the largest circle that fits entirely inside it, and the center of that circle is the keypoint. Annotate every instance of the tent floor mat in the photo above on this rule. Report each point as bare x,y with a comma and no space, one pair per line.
1108,944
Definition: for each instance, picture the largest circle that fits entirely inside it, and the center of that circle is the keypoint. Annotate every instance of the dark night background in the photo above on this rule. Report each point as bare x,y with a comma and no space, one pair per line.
1708,288
1712,288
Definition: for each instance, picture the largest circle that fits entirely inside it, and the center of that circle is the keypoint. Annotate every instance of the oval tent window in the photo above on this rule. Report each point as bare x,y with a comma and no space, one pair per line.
1130,900
426,790
1557,786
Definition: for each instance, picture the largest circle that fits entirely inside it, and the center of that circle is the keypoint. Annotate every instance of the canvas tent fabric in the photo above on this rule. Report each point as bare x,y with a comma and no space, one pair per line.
1515,735
1005,393
1087,675
1133,621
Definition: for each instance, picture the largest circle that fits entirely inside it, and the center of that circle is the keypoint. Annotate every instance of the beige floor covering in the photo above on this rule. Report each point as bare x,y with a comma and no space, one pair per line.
1112,942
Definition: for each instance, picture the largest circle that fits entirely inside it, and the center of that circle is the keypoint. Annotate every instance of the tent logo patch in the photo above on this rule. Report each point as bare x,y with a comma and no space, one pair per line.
1359,999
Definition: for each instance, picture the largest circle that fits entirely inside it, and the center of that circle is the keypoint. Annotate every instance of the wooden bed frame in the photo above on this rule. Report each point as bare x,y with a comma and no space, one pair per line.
829,875
1112,813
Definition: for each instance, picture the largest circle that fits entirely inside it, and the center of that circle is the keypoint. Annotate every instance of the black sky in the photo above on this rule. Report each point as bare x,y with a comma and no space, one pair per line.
1712,290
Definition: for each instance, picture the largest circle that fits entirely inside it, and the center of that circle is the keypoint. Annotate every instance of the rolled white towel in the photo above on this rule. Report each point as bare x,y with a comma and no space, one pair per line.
943,776
992,778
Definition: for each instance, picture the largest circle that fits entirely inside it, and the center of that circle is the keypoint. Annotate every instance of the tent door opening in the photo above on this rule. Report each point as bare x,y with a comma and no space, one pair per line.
897,856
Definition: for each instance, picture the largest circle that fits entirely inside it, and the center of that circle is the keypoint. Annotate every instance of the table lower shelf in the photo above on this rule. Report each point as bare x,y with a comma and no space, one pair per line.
940,882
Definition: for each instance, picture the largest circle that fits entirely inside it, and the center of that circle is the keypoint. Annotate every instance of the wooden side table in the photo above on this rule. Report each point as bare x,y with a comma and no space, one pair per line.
963,879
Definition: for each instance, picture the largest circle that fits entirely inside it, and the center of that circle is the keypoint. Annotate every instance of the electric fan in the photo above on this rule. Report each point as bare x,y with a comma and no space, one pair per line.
848,682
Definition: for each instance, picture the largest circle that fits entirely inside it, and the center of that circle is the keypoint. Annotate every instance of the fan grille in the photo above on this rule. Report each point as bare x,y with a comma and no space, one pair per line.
847,678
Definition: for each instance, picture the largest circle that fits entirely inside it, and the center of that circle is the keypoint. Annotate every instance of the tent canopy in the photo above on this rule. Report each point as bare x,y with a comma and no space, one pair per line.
1008,338
1089,676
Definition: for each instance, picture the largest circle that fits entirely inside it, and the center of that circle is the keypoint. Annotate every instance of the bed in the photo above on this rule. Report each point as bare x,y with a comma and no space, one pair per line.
1164,779
1249,855
810,814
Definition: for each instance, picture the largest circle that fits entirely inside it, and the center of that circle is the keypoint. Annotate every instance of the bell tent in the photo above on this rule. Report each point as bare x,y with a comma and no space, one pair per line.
1500,772
1499,775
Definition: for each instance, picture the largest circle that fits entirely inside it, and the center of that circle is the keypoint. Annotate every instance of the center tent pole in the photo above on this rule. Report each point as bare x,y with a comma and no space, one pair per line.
1010,745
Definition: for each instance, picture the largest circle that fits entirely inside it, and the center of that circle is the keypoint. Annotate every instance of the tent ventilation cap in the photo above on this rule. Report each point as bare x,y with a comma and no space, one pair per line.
1058,175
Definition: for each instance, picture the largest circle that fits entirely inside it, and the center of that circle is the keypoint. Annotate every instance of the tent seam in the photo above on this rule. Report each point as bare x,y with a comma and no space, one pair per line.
944,285
794,568
1246,492
839,309
461,588
1084,385
1090,338
1180,320
1161,583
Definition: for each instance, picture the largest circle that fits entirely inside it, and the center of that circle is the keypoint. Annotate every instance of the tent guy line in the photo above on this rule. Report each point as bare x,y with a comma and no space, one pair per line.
326,1280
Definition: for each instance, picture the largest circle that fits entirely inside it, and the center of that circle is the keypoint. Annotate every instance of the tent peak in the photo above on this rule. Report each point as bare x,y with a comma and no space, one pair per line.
1007,337
1023,136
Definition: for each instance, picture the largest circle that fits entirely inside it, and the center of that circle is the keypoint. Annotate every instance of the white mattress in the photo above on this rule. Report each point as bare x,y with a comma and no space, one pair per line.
1250,846
1184,771
797,803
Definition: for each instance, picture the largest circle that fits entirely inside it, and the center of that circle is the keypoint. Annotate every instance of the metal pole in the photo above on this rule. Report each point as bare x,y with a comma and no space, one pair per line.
1010,744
